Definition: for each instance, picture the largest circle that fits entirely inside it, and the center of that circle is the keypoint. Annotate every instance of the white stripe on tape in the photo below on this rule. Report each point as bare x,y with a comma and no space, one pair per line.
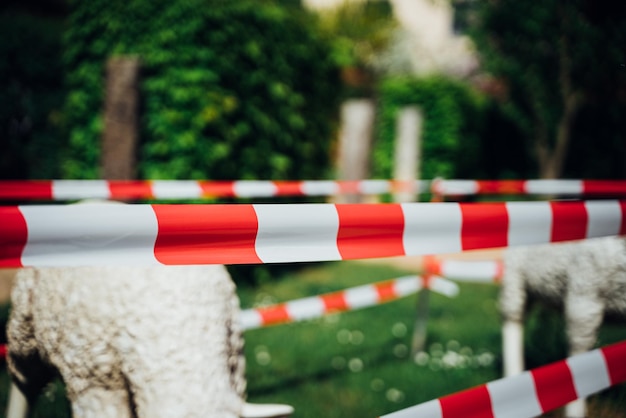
431,228
80,189
515,397
589,372
483,271
176,189
358,297
90,235
305,308
529,223
604,218
250,318
456,187
319,188
553,186
281,227
374,186
407,285
445,287
254,188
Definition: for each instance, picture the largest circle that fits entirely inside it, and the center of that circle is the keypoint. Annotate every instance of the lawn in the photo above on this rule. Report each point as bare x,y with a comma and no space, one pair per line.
357,364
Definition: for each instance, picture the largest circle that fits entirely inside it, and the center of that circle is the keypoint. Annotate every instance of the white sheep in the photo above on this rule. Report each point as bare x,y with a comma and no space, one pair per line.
132,341
587,278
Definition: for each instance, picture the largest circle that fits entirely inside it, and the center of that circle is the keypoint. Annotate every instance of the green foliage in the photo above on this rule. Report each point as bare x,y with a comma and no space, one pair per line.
31,95
359,33
231,90
453,116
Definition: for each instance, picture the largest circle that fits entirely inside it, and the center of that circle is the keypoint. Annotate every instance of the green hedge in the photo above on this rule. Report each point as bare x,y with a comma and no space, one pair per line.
454,118
231,90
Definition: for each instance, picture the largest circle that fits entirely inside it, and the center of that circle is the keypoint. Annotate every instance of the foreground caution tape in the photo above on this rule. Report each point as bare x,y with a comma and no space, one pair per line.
531,393
110,234
345,300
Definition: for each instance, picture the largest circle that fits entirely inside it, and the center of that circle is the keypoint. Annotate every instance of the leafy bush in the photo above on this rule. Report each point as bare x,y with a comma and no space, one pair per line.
453,120
231,90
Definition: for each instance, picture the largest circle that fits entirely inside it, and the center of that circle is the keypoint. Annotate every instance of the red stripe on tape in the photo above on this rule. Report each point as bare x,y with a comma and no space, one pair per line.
26,190
360,227
484,225
604,187
217,188
335,301
501,187
386,291
274,315
431,265
470,403
569,221
615,356
288,188
13,236
206,234
554,385
124,190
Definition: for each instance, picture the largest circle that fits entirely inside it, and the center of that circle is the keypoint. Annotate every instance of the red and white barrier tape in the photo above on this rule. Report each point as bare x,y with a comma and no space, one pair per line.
484,271
195,189
604,188
533,392
99,234
345,300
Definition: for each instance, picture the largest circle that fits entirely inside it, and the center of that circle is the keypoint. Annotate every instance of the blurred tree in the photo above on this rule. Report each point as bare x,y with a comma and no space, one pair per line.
360,32
559,63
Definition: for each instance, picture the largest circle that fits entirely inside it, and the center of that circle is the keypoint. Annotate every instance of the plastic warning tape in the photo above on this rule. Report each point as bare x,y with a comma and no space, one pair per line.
485,271
61,190
341,301
531,393
195,189
605,188
110,234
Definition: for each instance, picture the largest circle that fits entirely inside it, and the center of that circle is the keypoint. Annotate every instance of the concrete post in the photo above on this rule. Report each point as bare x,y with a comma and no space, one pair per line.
355,139
408,151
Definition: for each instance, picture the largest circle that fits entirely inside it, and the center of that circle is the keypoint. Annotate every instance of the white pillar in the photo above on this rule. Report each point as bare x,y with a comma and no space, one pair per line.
408,151
355,138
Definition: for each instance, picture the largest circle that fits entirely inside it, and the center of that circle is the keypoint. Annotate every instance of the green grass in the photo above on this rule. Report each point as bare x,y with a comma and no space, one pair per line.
323,371
357,364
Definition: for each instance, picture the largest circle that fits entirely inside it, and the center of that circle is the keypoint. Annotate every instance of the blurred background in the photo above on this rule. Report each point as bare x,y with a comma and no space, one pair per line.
507,89
253,90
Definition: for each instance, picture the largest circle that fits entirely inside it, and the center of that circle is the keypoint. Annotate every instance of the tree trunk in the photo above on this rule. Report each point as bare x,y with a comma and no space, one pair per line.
552,159
121,119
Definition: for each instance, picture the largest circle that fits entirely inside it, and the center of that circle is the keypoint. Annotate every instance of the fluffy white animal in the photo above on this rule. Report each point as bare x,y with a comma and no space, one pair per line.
587,278
132,341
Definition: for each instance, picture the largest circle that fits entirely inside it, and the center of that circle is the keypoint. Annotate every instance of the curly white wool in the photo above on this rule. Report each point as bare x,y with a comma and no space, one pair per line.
130,341
587,278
